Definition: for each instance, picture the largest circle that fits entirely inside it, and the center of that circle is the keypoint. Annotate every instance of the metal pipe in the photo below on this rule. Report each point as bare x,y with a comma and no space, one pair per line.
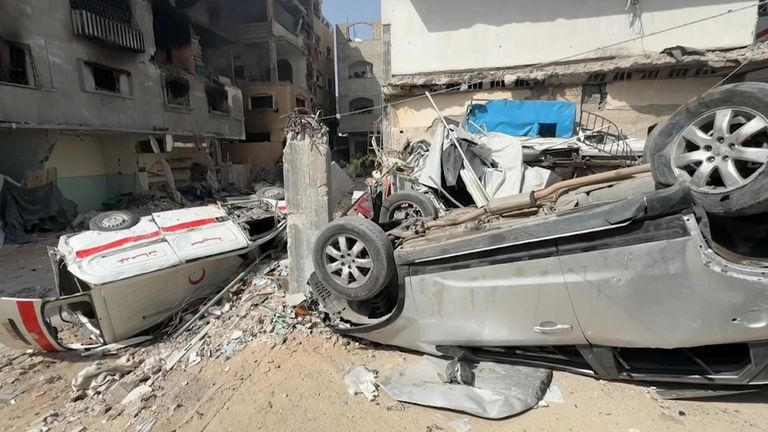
528,200
603,177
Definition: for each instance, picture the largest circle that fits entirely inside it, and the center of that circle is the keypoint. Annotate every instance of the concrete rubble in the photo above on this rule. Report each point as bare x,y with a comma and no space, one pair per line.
131,386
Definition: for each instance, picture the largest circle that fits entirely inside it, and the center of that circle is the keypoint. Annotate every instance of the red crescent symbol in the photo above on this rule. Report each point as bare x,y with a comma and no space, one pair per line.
197,281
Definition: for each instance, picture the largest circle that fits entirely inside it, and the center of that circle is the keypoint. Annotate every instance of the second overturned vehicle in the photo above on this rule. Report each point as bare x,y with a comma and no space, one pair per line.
650,272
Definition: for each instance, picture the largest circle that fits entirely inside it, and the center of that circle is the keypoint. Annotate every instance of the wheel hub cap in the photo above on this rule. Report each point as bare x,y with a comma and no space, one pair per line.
723,150
348,261
114,221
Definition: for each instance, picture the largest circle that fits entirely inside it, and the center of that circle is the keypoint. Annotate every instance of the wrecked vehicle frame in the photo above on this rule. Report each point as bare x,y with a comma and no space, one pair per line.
654,272
116,284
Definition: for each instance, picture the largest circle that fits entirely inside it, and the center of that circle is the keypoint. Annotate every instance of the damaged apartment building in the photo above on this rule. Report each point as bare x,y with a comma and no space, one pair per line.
105,97
361,68
630,62
283,64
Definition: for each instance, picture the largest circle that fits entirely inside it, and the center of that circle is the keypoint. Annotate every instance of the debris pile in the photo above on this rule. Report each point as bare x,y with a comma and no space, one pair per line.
132,387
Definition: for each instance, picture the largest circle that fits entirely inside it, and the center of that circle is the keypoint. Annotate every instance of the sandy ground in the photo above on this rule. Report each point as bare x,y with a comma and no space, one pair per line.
299,386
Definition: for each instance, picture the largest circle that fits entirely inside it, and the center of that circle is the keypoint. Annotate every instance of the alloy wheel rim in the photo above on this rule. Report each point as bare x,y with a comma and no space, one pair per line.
348,261
723,149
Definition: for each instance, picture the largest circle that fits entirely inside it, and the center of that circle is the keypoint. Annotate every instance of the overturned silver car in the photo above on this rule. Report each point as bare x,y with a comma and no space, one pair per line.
652,272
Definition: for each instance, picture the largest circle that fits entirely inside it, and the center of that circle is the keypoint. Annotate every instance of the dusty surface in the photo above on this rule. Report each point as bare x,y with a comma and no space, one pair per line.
294,381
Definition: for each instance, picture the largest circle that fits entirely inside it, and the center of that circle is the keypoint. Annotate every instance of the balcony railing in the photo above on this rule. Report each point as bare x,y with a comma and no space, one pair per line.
115,33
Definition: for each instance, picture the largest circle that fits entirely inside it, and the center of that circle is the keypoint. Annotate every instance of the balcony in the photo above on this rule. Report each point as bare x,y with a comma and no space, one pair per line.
91,25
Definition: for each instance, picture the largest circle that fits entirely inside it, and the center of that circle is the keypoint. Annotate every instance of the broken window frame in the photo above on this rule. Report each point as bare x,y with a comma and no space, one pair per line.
300,102
123,89
212,107
253,107
186,101
30,79
356,73
598,89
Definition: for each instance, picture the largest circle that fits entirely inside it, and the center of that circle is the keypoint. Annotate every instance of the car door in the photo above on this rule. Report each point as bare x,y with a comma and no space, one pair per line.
512,297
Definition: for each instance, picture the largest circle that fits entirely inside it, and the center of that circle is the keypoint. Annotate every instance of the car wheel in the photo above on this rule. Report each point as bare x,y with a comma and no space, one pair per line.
113,221
406,205
353,258
719,143
271,192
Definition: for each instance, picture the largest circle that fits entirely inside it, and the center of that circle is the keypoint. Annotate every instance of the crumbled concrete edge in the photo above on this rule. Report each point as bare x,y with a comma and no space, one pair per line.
573,72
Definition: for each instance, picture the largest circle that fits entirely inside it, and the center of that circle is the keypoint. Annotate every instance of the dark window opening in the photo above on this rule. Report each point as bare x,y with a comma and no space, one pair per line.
523,83
328,51
361,69
300,103
13,63
177,92
262,102
704,71
114,10
284,70
475,86
649,74
702,360
363,105
498,84
260,227
678,72
258,137
105,79
218,101
594,94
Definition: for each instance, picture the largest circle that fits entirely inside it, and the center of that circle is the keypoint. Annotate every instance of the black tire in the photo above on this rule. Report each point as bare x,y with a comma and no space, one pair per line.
420,201
271,192
113,221
747,199
378,249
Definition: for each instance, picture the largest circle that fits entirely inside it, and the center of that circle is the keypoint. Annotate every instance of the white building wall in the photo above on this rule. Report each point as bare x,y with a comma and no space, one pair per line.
449,35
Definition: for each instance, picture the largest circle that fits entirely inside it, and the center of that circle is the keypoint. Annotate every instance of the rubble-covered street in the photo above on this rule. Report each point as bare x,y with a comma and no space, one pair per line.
261,368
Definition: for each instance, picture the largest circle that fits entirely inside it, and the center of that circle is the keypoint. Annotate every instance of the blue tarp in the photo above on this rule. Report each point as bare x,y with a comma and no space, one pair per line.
523,118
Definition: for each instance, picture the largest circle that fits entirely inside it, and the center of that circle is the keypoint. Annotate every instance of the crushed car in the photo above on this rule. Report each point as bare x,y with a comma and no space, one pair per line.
128,275
655,272
500,148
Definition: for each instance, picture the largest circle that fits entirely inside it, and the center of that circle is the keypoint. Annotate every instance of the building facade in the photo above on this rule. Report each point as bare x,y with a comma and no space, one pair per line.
361,72
283,63
97,92
626,61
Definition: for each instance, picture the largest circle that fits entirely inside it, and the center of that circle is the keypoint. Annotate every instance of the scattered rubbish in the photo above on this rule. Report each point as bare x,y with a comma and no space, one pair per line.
140,393
553,395
114,347
461,425
146,426
396,406
99,375
173,359
362,380
295,299
499,390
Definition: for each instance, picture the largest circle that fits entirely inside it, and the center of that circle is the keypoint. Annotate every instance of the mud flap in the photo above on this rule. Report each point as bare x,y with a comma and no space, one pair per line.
23,323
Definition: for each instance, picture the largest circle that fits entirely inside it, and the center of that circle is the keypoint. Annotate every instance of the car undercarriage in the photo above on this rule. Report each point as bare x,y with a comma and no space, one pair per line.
616,275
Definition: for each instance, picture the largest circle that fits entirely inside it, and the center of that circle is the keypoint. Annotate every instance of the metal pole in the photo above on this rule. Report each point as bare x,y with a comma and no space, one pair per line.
478,185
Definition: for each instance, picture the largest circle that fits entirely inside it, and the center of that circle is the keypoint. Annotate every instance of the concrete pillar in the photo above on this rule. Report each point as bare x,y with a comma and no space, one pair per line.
307,170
